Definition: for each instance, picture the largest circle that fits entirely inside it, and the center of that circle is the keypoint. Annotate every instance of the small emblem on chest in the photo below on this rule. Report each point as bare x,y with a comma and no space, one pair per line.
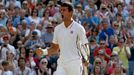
71,32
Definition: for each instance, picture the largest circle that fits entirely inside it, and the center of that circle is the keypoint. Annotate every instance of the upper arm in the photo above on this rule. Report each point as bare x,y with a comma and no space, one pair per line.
128,50
55,46
54,49
55,37
82,35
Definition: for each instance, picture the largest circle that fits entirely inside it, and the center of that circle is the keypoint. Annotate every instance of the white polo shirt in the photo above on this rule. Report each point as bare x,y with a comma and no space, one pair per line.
67,39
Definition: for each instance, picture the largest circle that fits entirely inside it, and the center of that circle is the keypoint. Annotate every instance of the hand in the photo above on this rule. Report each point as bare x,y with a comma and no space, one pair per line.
85,62
106,34
45,51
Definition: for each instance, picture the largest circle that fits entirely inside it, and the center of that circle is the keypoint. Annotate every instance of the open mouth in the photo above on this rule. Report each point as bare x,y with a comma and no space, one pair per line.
62,16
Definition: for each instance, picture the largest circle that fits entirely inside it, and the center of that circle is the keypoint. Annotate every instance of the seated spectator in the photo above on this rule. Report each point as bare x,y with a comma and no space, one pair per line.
114,60
97,70
93,45
116,27
123,52
94,34
33,41
31,61
6,46
103,47
22,69
43,70
118,70
101,55
106,30
48,36
97,62
13,64
22,52
112,42
6,71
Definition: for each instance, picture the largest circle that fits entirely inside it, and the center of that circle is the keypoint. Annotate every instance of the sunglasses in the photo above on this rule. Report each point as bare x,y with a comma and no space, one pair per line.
31,51
100,54
116,25
44,62
97,62
102,43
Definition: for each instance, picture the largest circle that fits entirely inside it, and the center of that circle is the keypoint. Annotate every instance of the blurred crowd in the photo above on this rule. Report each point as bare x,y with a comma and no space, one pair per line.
27,26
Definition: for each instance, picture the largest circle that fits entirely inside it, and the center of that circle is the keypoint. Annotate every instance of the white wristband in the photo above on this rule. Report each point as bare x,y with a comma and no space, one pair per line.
45,51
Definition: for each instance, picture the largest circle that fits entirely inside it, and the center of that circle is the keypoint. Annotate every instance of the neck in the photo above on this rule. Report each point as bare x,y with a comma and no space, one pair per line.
97,73
68,22
121,46
117,73
22,68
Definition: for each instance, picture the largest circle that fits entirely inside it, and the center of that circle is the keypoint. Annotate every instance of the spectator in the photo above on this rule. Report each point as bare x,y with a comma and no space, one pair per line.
94,34
97,70
93,45
106,30
34,17
123,52
6,71
3,17
22,52
33,41
118,70
116,27
12,62
6,47
97,62
43,70
48,36
112,42
102,46
31,62
22,69
113,61
103,61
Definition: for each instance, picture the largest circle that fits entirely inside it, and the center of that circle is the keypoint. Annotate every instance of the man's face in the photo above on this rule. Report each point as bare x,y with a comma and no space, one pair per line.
66,14
102,44
105,25
22,62
34,37
6,39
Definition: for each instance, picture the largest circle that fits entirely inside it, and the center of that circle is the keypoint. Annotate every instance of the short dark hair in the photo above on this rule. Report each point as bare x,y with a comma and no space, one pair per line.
21,58
68,5
4,63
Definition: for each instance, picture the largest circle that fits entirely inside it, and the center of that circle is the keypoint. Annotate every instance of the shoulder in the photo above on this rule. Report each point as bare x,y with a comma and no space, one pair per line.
58,27
11,46
27,68
108,49
116,48
78,26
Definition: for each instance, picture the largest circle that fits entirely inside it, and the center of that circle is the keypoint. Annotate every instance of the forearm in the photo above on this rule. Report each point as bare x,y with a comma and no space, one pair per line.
85,51
52,50
127,53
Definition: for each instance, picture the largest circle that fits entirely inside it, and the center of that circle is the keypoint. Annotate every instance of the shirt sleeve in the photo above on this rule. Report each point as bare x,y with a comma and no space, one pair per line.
128,50
82,35
55,38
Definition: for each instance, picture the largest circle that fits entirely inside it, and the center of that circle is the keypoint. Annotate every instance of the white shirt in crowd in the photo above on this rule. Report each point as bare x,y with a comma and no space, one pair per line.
5,49
7,73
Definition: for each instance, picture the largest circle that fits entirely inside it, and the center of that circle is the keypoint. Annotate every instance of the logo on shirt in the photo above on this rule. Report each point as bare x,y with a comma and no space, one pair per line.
71,32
